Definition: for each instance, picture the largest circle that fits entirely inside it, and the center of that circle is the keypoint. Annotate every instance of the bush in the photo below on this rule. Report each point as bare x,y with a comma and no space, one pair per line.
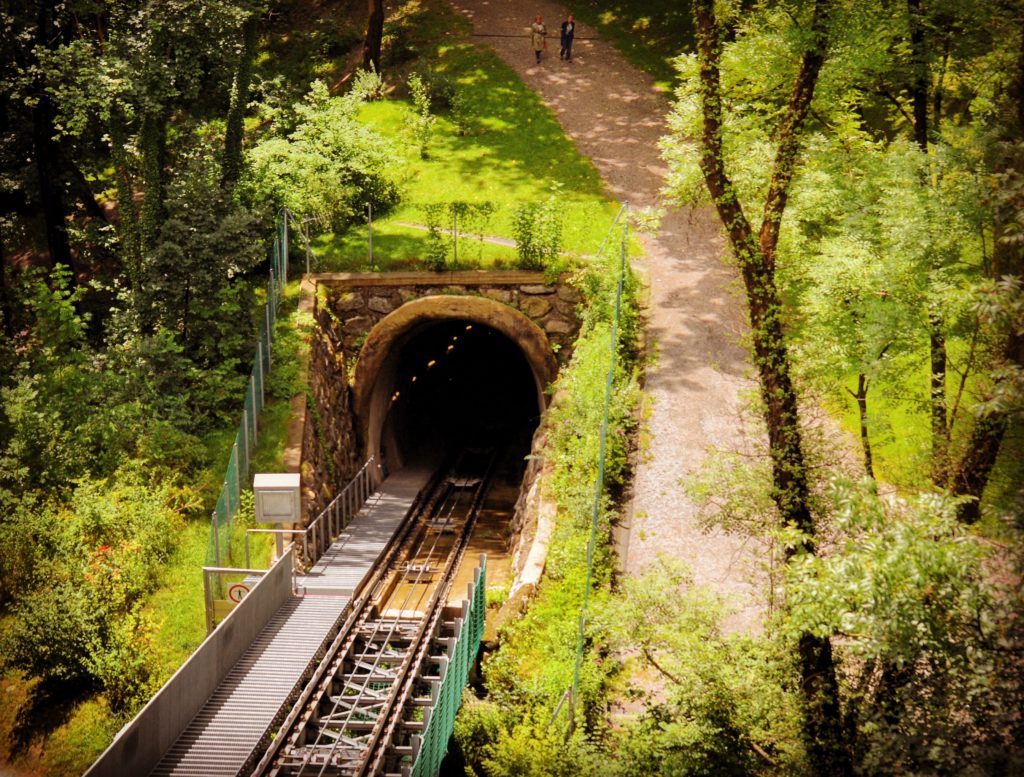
537,227
328,167
437,241
421,122
367,86
96,561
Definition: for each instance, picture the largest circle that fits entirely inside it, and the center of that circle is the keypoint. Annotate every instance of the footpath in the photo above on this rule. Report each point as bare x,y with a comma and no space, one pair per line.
694,321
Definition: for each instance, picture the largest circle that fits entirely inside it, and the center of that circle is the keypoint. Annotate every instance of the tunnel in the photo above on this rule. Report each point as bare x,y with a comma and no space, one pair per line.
458,384
442,373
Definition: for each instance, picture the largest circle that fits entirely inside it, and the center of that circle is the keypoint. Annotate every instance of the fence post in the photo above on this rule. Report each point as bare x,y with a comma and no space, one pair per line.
284,247
208,599
245,444
216,539
266,315
238,487
258,372
251,390
369,221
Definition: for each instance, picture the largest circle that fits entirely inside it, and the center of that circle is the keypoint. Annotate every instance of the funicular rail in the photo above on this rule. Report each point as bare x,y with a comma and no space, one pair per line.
373,692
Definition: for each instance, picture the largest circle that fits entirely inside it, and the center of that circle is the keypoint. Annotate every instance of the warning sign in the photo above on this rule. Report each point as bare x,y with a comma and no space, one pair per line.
237,592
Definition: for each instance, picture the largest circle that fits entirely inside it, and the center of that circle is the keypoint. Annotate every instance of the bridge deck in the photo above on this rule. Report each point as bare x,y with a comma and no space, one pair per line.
242,709
343,565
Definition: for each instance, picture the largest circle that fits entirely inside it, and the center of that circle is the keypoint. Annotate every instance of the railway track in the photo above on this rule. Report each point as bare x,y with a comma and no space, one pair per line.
372,692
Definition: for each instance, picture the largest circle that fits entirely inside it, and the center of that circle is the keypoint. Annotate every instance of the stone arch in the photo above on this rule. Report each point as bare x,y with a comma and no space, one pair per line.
379,356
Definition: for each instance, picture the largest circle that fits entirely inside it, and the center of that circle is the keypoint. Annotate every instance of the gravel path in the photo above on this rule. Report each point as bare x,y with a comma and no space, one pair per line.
695,316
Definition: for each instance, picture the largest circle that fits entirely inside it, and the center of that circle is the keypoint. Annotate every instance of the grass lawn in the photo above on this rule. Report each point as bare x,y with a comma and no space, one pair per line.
513,152
649,33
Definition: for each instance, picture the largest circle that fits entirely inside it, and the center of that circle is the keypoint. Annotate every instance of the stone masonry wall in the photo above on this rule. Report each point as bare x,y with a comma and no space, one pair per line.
551,306
329,444
345,308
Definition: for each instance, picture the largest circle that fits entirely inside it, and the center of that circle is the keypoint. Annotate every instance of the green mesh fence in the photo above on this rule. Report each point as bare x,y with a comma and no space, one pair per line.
439,728
236,476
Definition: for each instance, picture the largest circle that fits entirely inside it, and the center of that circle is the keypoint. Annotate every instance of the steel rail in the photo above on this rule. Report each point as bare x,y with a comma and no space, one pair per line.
440,599
357,626
360,597
375,735
369,675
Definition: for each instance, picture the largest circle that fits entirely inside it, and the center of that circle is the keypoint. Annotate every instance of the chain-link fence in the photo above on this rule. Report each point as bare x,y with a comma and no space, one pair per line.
236,476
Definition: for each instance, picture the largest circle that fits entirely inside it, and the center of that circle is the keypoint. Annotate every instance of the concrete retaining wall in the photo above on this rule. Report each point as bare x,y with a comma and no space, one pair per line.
138,747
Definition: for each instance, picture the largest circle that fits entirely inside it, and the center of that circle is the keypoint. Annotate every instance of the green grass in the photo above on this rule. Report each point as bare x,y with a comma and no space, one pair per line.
398,248
513,152
76,744
649,33
899,432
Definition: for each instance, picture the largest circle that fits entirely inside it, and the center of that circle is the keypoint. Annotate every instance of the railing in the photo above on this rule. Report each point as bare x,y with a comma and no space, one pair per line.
433,744
139,746
332,520
213,583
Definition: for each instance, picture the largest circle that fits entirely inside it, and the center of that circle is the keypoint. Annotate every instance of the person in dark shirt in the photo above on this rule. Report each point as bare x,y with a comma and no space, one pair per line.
568,30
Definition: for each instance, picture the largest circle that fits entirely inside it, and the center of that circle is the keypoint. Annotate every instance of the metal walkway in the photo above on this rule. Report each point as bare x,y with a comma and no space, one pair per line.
248,703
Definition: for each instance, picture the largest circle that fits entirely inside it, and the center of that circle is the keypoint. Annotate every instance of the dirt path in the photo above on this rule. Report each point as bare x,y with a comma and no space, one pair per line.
695,318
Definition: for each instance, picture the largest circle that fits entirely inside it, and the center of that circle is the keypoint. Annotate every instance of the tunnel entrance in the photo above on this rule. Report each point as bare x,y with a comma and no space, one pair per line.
458,383
447,370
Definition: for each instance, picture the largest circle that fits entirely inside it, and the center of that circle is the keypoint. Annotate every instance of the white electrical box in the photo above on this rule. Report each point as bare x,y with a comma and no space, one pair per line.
278,497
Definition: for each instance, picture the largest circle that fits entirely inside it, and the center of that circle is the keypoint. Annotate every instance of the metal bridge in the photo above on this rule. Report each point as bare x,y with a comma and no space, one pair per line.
348,657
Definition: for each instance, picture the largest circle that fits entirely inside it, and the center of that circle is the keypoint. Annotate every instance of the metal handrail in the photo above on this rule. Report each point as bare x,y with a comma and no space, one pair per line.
340,510
291,532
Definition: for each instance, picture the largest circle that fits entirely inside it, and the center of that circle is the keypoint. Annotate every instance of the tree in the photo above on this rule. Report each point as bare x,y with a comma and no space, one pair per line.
374,35
931,636
756,257
727,707
231,169
971,471
328,167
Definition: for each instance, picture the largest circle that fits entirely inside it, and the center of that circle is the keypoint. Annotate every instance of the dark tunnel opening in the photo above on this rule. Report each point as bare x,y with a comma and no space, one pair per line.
459,384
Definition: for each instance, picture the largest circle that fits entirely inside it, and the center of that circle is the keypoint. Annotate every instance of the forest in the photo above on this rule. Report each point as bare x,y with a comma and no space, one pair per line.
862,164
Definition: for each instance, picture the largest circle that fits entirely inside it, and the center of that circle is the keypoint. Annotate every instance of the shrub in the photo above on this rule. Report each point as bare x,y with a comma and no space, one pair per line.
421,122
96,560
367,86
537,227
329,167
437,242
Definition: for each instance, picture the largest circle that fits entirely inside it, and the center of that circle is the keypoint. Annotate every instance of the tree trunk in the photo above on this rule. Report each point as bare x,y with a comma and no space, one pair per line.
936,330
81,188
128,215
862,410
231,169
823,722
48,172
153,140
919,87
937,396
6,306
374,35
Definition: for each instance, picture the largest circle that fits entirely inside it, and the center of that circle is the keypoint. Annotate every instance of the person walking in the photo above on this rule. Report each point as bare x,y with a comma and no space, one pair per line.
568,31
538,33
